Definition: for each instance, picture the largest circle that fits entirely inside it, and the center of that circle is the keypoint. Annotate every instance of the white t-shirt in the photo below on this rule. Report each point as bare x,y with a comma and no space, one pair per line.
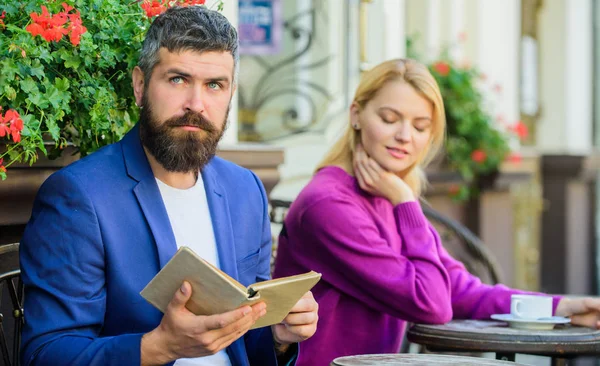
192,225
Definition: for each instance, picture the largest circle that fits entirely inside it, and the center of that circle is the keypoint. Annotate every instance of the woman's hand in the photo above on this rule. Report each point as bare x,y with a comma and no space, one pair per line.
378,181
584,311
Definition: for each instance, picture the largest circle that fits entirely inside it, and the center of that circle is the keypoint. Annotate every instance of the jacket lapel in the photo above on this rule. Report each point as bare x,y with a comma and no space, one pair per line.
221,220
148,196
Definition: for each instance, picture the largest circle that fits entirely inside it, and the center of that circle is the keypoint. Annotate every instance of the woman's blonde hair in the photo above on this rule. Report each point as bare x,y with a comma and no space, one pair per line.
416,75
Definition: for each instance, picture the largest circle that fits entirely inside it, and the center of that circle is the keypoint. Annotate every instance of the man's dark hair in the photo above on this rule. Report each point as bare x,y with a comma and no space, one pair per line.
192,28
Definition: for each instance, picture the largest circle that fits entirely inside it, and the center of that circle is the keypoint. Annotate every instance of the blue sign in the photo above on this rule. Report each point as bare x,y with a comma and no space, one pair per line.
260,26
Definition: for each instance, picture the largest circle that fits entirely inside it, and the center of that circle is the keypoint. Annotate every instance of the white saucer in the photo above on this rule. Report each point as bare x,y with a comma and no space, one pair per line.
535,324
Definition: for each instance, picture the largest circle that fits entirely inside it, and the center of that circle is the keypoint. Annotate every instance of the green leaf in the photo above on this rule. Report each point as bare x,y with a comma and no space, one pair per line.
37,69
54,96
53,128
71,60
10,92
62,84
38,100
8,70
29,86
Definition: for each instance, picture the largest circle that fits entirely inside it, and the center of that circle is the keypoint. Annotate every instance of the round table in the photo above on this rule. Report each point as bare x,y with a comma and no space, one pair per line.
561,343
416,359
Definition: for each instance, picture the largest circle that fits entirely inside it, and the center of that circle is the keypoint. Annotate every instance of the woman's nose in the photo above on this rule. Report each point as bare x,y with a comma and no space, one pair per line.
404,132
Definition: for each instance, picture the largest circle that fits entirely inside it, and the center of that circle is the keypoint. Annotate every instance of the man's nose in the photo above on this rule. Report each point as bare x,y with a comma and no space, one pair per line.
194,100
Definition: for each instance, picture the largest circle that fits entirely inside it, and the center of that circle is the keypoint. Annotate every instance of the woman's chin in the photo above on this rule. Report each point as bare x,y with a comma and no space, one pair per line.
395,167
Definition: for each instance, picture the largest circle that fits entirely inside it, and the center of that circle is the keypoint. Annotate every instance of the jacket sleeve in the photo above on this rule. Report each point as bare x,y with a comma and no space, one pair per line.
62,264
343,242
472,299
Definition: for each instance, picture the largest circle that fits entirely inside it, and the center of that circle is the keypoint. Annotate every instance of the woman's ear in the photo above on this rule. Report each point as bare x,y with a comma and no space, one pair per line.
354,111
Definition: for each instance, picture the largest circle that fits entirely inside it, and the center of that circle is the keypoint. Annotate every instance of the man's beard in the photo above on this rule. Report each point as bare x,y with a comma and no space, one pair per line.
175,149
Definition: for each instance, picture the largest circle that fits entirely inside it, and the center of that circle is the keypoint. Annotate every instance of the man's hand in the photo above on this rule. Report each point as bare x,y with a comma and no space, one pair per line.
584,311
181,334
300,323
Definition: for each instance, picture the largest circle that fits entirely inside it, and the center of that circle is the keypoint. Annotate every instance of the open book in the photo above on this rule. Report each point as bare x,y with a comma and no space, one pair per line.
214,292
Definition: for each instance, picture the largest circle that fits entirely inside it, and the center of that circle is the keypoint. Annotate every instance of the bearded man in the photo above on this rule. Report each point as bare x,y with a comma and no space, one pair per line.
104,226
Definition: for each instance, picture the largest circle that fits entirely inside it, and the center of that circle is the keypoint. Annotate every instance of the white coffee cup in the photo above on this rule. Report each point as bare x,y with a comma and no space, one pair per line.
530,306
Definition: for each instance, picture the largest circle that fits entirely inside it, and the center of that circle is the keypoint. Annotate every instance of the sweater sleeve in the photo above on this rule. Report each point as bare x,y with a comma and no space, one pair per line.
472,299
343,242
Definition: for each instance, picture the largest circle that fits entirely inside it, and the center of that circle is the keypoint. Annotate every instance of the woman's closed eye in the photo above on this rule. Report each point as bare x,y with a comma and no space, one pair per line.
389,117
422,126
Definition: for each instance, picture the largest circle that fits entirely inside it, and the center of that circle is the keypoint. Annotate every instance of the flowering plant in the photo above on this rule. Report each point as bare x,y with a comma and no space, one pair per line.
476,144
65,73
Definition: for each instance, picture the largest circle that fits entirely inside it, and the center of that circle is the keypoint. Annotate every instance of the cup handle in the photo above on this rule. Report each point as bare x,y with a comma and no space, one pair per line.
514,308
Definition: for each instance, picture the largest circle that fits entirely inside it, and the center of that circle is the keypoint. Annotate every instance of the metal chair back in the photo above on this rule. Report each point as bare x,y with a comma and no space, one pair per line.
11,304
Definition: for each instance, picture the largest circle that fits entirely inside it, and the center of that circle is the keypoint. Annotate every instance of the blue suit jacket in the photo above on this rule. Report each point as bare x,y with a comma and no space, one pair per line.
99,232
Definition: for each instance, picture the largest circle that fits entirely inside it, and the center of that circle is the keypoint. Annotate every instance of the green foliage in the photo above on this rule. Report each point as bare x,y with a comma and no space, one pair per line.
475,145
65,92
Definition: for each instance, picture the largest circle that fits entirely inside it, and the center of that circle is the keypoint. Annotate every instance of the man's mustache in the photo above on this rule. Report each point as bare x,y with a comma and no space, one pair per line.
192,119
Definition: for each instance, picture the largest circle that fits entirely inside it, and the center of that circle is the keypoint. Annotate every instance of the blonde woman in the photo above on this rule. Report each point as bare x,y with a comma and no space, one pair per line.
359,223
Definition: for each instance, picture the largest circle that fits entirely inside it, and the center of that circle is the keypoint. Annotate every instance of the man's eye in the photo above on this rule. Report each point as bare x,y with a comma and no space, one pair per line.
177,80
214,85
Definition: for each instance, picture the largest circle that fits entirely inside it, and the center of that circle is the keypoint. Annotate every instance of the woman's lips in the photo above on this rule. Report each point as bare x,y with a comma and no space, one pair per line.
397,153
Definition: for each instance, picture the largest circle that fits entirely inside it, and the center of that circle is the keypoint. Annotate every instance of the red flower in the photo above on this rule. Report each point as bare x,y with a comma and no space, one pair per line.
193,2
16,124
54,27
442,68
514,157
16,136
76,28
2,169
521,130
2,16
42,19
478,156
454,189
4,127
67,8
54,34
35,29
13,117
153,8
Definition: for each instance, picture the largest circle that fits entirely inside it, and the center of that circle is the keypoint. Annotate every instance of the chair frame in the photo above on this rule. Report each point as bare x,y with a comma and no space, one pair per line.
11,280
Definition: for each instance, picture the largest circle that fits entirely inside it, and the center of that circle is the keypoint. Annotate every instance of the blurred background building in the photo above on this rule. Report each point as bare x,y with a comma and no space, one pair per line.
302,59
537,71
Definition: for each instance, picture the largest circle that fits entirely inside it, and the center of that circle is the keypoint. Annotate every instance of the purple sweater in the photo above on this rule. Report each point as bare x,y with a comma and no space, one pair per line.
382,266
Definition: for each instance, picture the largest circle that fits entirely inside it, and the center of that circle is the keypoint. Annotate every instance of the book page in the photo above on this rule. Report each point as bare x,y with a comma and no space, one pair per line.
281,294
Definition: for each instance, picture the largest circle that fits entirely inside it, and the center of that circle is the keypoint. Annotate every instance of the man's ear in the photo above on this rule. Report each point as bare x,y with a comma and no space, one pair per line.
137,78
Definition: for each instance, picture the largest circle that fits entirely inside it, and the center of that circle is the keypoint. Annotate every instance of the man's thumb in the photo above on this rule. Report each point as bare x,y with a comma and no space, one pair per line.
182,295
